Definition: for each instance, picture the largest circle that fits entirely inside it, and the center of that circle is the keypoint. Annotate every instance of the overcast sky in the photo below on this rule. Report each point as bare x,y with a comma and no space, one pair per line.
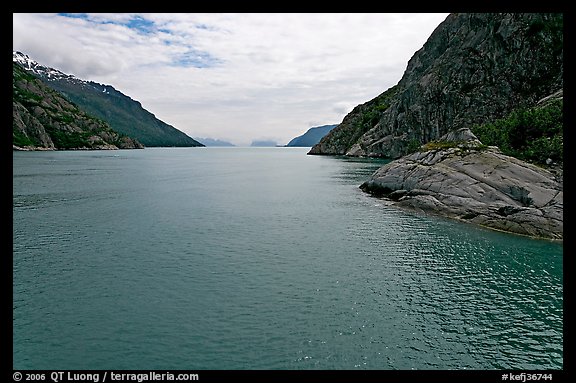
236,77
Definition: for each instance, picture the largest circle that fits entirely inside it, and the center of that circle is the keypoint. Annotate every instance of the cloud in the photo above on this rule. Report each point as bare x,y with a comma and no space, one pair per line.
233,76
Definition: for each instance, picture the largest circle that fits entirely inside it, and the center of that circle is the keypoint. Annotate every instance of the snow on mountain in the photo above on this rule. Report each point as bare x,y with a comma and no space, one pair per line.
124,114
30,65
50,74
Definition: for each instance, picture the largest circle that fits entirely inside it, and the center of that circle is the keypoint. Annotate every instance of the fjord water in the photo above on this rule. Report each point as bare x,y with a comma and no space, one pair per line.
262,258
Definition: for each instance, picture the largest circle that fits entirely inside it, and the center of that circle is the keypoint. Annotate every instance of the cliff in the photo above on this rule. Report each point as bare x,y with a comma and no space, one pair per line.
473,69
474,125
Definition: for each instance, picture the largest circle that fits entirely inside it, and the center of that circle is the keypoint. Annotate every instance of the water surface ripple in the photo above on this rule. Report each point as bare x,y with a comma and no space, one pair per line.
262,258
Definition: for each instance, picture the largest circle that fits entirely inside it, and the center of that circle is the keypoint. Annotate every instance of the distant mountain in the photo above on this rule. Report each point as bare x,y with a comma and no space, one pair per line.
213,142
42,119
312,136
263,143
122,113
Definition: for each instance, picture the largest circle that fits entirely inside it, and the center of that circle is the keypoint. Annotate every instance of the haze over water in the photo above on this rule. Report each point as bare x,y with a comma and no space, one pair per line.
262,258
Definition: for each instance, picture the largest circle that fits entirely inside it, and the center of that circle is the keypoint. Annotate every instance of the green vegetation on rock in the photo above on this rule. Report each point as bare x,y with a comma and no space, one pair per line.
120,112
42,118
530,134
355,124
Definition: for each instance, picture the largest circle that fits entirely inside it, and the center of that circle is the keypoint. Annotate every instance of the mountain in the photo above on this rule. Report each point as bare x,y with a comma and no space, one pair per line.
473,69
213,142
43,119
312,136
121,112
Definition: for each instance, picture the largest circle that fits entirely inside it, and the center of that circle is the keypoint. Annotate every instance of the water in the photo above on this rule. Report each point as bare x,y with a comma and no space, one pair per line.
262,258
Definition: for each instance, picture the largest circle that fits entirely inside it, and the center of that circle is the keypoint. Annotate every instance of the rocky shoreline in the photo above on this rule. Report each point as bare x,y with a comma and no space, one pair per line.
465,180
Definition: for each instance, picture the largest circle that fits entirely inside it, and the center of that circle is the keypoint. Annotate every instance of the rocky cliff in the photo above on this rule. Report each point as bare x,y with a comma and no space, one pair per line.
44,120
474,68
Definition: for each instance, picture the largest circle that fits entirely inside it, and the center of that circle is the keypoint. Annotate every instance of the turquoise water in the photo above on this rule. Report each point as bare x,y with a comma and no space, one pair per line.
262,258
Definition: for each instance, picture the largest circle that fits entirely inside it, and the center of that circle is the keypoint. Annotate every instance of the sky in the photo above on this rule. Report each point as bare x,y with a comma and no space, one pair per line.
236,77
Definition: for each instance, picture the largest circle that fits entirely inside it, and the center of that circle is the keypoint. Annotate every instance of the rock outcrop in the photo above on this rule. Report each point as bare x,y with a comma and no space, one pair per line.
458,177
473,69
